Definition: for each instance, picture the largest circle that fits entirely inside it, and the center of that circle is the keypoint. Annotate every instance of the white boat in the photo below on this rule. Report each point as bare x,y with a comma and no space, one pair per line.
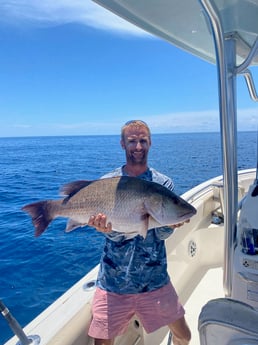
213,260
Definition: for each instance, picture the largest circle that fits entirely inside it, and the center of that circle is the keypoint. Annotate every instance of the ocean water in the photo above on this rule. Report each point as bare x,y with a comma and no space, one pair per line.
36,271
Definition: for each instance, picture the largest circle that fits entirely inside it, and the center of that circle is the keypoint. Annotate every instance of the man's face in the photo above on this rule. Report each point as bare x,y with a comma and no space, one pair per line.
136,142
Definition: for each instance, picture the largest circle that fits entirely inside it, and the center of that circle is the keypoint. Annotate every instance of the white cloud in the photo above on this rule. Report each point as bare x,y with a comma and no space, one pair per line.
199,121
58,12
248,119
22,126
195,121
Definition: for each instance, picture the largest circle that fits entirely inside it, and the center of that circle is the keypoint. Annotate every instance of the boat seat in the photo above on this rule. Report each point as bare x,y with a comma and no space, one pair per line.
226,321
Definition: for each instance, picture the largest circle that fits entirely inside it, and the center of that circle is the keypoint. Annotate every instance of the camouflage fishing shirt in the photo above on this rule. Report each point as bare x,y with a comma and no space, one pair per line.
136,265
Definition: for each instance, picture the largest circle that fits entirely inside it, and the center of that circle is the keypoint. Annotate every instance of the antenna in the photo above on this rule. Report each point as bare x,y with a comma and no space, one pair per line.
256,177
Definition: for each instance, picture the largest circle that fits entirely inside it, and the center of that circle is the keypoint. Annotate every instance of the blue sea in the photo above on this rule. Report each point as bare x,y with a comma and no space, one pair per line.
34,272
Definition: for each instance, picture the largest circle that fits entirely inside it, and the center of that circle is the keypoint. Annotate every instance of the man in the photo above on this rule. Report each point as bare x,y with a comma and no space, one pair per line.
133,276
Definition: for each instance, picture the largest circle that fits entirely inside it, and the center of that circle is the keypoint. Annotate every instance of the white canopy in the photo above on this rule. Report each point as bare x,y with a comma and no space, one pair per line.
183,23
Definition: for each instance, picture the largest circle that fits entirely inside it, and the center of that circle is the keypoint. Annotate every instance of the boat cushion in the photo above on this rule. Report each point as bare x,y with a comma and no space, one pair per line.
226,321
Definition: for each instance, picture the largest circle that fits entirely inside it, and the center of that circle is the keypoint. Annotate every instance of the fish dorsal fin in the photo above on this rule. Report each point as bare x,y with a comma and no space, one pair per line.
72,188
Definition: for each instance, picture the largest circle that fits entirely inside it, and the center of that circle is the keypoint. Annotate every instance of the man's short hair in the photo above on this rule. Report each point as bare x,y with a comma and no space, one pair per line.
134,123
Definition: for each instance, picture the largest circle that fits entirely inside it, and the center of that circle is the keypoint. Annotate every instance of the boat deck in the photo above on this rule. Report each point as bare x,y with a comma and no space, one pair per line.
210,285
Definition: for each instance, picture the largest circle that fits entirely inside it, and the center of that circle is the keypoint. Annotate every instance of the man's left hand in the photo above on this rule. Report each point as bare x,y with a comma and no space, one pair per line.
179,224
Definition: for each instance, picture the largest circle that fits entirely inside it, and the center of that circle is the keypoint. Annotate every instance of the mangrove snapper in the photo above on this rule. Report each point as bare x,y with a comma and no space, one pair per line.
131,204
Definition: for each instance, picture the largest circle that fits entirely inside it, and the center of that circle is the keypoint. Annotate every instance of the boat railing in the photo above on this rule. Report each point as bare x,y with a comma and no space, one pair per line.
246,63
243,69
250,85
227,69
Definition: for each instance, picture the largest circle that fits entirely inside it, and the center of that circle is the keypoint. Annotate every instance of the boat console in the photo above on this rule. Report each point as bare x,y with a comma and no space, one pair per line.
245,263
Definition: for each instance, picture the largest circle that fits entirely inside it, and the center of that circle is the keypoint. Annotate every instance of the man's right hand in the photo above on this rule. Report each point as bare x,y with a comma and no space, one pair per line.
99,222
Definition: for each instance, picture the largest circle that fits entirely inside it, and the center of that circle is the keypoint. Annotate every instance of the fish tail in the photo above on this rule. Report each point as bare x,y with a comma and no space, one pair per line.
40,214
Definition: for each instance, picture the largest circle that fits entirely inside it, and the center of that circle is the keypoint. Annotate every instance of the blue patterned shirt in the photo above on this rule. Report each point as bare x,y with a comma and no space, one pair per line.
135,265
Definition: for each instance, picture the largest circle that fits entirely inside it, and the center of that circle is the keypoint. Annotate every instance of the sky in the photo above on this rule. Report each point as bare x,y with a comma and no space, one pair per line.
70,67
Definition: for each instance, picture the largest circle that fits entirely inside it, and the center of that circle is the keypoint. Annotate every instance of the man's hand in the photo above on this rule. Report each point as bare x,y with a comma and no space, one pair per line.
99,222
180,224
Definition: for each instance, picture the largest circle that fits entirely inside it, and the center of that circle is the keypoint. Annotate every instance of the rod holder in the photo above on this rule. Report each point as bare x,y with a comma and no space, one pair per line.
17,329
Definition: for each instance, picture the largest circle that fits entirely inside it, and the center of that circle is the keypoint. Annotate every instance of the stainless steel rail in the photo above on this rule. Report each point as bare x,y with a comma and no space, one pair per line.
226,61
253,52
225,48
243,69
16,328
250,85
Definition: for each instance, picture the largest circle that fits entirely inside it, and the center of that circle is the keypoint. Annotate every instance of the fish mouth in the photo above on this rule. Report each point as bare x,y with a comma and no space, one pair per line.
187,214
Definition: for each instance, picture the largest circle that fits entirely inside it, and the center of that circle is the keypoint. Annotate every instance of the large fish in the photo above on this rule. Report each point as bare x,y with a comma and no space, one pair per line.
131,204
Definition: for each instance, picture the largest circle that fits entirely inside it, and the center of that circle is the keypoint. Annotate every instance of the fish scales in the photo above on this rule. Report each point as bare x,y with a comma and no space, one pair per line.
115,199
97,198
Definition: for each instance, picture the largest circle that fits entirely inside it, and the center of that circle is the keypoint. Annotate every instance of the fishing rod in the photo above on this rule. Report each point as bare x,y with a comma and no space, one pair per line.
256,177
16,328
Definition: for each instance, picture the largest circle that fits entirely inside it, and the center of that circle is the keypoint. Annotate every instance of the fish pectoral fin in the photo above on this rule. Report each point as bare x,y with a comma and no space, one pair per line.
72,225
145,225
143,232
153,223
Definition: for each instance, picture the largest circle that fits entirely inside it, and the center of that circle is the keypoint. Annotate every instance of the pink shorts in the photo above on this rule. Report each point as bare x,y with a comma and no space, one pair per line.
112,312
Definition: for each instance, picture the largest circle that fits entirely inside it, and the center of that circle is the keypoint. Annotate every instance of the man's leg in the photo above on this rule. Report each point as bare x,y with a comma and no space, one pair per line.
181,332
104,341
